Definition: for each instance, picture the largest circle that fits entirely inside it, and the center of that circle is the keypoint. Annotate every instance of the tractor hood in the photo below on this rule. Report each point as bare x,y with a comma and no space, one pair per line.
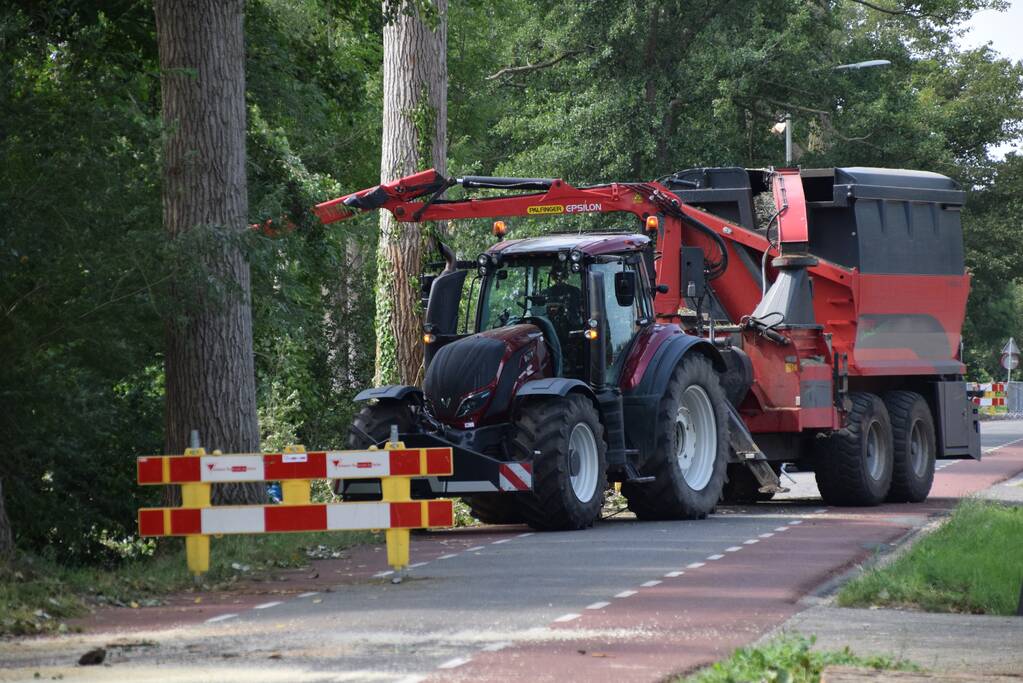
472,380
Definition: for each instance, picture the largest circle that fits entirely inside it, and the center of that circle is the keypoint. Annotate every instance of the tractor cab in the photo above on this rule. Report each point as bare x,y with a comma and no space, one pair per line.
556,306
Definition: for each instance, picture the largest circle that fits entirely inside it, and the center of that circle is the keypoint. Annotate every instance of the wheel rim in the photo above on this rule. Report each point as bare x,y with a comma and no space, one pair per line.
918,454
696,437
583,461
875,454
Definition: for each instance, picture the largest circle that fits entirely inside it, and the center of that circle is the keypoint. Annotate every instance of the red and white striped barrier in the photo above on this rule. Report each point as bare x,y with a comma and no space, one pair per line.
163,469
263,519
516,476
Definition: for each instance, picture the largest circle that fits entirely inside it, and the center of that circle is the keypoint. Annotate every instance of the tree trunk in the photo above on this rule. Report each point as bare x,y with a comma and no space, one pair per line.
414,138
210,376
6,535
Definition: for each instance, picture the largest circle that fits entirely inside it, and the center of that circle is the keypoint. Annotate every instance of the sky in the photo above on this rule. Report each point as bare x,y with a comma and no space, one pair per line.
1002,29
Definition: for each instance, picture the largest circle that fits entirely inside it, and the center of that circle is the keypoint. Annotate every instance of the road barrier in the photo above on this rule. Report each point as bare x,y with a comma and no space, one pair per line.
295,468
992,400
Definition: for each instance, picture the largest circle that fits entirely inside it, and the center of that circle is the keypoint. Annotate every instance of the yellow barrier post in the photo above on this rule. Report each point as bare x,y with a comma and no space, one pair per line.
197,548
296,491
396,490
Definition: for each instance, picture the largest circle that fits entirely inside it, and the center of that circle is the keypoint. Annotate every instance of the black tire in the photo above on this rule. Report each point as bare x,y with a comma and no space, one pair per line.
546,426
742,488
854,464
495,508
915,446
374,420
670,496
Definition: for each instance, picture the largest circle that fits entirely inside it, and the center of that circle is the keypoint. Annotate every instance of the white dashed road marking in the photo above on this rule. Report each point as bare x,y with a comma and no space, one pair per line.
267,605
733,549
672,575
454,663
714,557
222,617
625,594
308,595
472,550
650,584
767,535
598,605
448,556
750,541
566,617
694,565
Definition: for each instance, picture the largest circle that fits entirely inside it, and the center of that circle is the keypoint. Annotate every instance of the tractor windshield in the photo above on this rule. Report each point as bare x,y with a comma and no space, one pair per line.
544,292
532,289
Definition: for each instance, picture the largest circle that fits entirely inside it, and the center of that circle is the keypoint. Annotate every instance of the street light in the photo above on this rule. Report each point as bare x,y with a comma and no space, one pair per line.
855,66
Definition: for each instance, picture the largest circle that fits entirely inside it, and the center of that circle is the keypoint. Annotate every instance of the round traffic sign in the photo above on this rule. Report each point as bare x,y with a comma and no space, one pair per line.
1010,361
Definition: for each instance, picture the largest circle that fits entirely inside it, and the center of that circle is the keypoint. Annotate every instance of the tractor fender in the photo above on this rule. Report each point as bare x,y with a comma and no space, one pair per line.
553,386
398,392
641,404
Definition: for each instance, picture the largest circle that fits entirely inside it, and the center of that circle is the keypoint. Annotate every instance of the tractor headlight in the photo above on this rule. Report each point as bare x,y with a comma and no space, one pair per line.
483,260
576,256
472,403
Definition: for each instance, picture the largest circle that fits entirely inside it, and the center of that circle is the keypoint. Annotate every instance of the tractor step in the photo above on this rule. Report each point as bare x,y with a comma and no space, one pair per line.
628,474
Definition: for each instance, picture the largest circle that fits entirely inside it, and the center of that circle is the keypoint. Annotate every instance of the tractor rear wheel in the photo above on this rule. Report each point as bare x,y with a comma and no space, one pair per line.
565,439
915,446
854,464
495,508
374,421
691,447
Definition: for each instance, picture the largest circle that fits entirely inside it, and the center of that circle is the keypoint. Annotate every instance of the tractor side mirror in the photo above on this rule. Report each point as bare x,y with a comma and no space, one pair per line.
625,288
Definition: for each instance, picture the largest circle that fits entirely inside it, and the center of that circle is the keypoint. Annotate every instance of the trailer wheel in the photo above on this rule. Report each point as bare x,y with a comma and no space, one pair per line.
915,446
854,464
691,449
375,420
495,508
565,439
742,488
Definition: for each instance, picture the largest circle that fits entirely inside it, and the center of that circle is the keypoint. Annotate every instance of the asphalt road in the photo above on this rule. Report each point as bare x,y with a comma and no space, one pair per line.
622,601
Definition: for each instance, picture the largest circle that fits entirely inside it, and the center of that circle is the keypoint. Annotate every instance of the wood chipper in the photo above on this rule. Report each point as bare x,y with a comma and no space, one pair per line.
691,353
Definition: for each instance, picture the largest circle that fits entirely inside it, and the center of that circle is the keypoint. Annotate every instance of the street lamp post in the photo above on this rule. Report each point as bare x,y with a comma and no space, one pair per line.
855,66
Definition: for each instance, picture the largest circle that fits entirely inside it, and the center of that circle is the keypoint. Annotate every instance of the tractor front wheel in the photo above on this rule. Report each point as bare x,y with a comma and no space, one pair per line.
691,447
373,421
565,440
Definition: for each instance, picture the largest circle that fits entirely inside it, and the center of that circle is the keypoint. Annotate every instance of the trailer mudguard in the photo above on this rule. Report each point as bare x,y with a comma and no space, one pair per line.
640,404
398,392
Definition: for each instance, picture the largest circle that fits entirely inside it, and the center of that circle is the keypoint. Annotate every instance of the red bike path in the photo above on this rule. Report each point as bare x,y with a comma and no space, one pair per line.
695,619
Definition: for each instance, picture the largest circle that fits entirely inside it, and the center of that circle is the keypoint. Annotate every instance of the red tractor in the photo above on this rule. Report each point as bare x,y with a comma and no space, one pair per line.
691,358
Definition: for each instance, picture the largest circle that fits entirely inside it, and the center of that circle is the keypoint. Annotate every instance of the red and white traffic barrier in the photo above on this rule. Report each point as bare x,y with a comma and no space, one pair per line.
260,519
163,469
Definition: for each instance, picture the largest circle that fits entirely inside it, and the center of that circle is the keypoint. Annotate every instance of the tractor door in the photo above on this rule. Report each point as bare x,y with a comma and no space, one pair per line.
627,304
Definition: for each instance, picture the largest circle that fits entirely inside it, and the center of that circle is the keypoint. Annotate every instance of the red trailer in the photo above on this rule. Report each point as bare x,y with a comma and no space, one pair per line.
692,353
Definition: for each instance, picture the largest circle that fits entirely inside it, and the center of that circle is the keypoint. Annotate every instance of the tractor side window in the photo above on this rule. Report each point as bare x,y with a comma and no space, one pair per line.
504,296
622,322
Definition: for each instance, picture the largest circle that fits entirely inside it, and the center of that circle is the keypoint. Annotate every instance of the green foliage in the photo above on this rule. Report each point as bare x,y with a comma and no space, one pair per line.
973,563
788,659
85,263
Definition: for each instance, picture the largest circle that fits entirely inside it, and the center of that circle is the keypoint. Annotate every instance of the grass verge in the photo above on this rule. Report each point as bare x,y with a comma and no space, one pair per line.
37,596
973,563
790,659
